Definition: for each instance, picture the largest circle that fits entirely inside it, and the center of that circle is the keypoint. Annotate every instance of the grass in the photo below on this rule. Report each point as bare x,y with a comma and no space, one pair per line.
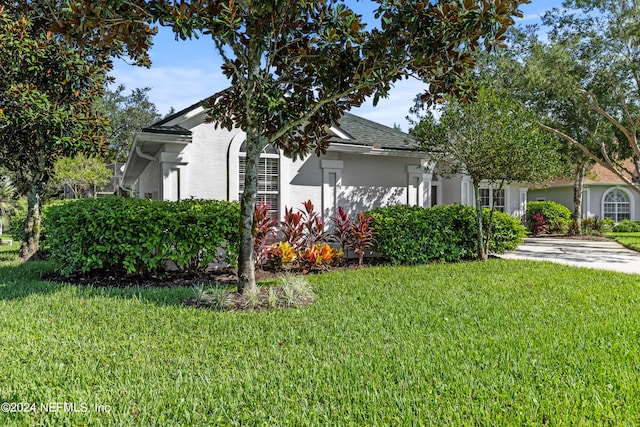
629,240
496,343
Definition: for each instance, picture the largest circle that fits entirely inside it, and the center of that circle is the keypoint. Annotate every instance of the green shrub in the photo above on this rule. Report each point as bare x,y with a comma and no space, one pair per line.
414,235
627,226
128,235
507,232
557,217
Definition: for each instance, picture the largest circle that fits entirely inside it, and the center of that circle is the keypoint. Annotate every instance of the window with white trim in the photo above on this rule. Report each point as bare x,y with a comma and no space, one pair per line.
268,177
616,206
492,197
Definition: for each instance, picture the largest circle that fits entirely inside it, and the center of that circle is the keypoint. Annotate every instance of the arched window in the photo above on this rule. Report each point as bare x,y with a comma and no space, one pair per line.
616,205
268,176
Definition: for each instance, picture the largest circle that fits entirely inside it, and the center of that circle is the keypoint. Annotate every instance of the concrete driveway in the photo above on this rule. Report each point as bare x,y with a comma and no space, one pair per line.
606,255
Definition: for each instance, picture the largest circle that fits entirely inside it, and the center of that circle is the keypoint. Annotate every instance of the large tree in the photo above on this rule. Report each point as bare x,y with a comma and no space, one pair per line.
127,113
545,80
495,140
46,96
295,67
598,43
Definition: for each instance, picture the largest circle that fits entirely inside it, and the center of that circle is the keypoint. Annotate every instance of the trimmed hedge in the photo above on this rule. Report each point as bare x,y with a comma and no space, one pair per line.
557,217
414,235
128,235
627,226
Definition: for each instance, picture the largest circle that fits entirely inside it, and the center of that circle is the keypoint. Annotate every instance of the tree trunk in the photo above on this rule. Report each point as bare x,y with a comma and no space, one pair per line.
482,254
31,239
578,184
246,265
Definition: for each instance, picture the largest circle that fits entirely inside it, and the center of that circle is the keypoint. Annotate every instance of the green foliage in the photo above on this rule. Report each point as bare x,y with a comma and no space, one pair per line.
47,93
81,174
557,217
127,235
507,232
127,114
414,235
627,226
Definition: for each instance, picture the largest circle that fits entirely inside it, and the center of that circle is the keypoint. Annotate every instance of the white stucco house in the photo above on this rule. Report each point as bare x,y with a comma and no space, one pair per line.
604,195
368,165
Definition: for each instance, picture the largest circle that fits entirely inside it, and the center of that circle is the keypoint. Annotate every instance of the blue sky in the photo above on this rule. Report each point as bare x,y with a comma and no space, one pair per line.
184,72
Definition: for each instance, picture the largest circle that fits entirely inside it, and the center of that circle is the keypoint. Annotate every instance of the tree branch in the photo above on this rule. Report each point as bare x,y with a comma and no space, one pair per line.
590,155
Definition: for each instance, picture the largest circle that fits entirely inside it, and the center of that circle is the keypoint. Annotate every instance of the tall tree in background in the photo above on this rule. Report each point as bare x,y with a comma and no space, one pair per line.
545,79
494,140
599,44
47,91
81,174
127,114
296,67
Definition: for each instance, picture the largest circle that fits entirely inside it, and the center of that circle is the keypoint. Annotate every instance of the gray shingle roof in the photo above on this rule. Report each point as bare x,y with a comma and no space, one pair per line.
360,131
370,133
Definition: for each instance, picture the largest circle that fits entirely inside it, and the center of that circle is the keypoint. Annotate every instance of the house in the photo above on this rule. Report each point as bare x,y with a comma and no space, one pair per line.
604,195
368,165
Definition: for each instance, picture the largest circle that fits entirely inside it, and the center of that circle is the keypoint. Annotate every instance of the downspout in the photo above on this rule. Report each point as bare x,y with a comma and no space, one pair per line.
144,155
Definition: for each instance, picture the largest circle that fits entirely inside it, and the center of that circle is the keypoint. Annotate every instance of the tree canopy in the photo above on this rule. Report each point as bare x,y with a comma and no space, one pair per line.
127,113
46,105
494,140
591,63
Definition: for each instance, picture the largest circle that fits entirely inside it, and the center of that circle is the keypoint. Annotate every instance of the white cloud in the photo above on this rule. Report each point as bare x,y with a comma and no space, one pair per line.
172,86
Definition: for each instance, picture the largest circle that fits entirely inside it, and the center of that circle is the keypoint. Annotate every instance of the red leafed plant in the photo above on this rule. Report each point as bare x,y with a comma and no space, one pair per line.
538,223
292,228
264,230
342,227
314,231
361,235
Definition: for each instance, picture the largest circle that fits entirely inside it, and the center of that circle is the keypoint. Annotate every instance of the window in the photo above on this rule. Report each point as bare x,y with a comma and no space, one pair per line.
616,206
492,198
268,177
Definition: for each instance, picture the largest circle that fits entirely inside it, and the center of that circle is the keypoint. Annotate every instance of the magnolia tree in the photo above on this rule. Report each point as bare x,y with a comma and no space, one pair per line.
46,96
296,67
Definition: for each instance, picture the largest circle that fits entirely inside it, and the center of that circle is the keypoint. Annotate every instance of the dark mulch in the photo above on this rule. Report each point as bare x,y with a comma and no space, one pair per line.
167,279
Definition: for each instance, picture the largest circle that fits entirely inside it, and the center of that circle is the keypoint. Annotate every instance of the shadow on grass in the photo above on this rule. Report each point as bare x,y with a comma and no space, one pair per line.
19,280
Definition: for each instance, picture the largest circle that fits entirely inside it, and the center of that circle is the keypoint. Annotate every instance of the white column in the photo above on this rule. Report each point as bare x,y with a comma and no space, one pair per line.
415,185
466,196
331,186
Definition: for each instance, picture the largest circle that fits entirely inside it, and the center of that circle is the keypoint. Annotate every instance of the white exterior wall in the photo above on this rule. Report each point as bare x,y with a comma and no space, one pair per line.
206,175
592,198
149,181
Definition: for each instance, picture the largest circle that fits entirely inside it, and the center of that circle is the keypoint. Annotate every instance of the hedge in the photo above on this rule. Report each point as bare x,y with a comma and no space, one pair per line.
557,217
128,235
414,235
627,226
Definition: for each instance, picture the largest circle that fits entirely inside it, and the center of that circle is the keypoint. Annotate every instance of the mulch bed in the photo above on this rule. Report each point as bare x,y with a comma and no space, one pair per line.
167,279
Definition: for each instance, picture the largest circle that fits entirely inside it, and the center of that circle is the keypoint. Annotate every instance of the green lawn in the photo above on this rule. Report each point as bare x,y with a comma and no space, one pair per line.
496,343
630,240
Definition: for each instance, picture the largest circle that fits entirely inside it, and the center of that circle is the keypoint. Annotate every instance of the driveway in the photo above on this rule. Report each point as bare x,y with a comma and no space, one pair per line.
606,255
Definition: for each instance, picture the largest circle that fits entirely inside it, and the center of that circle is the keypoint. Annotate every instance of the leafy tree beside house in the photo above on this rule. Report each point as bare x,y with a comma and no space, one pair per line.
127,113
599,45
495,140
47,91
